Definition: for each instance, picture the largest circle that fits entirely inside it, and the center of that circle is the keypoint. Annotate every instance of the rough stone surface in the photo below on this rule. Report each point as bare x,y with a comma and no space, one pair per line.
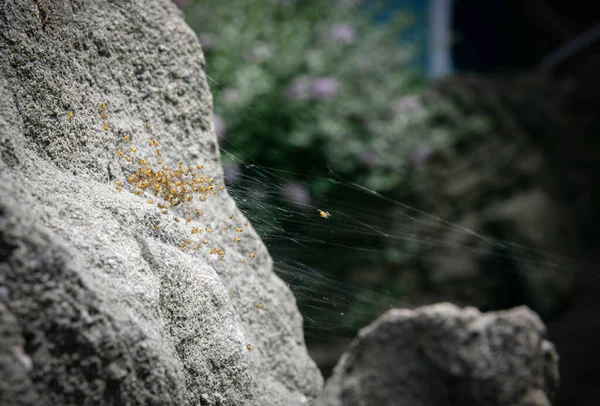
97,306
443,355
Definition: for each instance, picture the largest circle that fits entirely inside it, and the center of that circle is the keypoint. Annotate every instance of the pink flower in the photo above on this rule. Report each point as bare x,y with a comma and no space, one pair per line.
419,155
324,87
219,125
406,104
231,172
343,33
300,88
295,194
206,40
367,156
182,3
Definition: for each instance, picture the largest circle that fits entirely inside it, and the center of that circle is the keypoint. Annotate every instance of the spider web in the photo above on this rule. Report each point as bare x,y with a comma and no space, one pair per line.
254,188
335,252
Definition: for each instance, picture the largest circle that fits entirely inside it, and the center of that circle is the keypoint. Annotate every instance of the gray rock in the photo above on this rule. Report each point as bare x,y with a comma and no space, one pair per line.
97,306
443,355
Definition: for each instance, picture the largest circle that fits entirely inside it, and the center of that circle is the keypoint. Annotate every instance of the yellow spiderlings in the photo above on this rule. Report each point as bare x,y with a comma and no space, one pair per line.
105,126
245,224
230,216
248,347
102,106
103,116
259,306
242,261
232,293
236,239
324,214
70,114
171,186
239,229
252,255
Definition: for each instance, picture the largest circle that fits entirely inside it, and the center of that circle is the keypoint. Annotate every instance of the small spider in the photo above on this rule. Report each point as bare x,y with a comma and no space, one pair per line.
324,214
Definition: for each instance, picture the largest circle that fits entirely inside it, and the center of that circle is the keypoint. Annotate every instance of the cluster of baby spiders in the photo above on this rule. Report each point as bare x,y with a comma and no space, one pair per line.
171,187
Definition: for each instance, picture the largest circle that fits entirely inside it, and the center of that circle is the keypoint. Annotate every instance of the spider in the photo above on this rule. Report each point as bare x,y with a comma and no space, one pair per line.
324,214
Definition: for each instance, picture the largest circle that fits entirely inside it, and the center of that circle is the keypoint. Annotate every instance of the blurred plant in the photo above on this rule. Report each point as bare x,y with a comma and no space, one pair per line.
304,85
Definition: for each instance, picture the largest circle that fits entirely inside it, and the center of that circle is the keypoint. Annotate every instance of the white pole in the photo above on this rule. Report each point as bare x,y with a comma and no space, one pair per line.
439,52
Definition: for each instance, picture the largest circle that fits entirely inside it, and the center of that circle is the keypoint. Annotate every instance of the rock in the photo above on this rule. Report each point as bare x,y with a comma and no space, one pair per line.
99,304
444,355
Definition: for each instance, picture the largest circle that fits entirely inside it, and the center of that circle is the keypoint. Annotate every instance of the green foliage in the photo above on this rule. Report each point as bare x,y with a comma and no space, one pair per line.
304,85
